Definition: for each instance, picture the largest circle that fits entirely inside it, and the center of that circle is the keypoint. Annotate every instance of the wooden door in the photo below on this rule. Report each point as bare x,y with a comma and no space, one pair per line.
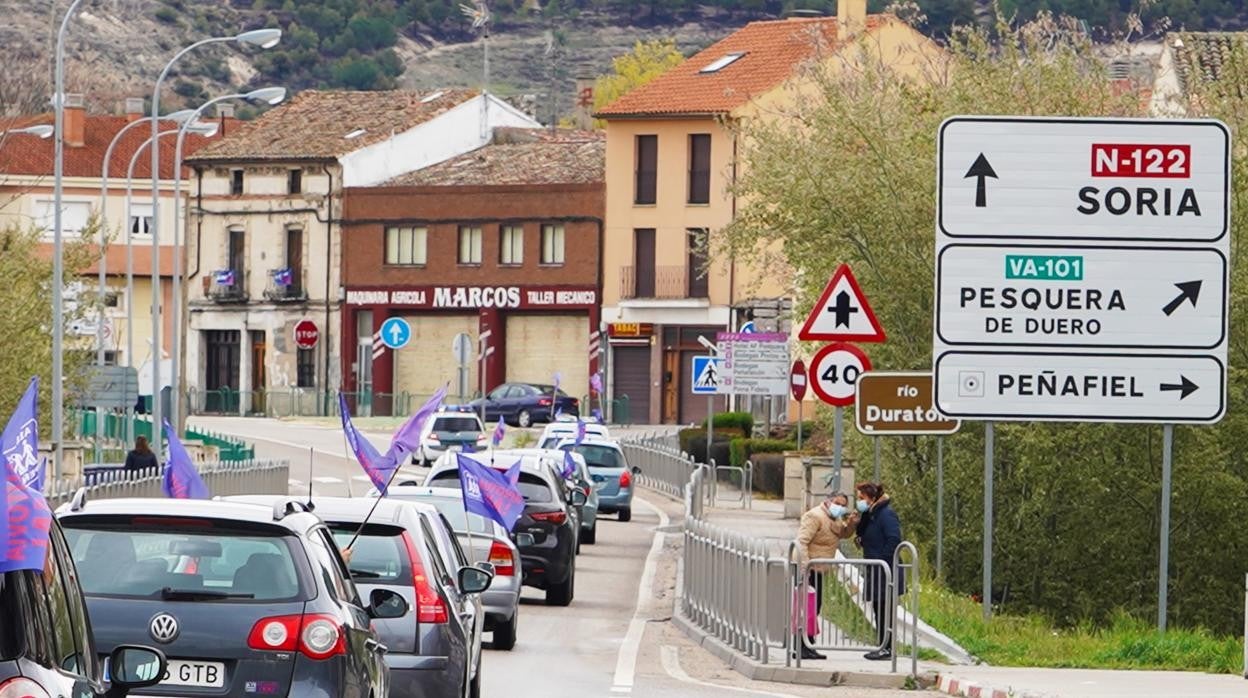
259,373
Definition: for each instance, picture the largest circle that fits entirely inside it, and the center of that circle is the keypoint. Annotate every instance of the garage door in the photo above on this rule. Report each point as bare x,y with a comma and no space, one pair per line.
426,363
630,369
539,345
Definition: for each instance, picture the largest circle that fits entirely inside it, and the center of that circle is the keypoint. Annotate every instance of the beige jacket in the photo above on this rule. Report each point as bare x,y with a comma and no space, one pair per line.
819,535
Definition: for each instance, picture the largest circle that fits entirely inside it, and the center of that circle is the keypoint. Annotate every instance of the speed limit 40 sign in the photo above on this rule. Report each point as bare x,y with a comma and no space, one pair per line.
834,373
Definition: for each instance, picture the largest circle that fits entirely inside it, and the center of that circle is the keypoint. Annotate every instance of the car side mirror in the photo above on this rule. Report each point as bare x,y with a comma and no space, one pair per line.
525,540
578,498
135,666
474,580
386,604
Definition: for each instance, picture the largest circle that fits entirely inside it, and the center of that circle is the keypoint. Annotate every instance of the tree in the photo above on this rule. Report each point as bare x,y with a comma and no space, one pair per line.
844,173
648,60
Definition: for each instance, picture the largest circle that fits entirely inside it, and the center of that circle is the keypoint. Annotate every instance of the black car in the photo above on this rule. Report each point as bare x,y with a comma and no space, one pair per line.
246,600
46,646
549,517
525,404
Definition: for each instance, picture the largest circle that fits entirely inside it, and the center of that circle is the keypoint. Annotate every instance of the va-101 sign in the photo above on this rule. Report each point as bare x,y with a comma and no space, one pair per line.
1082,269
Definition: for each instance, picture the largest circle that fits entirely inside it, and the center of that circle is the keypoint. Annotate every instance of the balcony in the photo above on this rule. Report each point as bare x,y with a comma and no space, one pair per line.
226,286
284,287
666,283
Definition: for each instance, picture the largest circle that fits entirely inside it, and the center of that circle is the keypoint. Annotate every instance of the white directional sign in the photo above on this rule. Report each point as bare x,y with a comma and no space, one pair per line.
1082,270
754,363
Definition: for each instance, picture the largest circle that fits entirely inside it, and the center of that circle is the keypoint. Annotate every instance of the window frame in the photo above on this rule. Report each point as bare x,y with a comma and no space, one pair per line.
557,233
294,181
305,362
139,211
511,245
392,241
699,180
474,233
237,182
645,180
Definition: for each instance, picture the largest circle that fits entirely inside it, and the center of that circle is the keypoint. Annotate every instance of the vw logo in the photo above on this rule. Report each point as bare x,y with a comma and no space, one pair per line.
163,628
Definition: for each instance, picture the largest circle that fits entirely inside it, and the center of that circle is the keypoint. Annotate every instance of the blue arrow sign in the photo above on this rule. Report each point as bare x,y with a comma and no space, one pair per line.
748,328
396,333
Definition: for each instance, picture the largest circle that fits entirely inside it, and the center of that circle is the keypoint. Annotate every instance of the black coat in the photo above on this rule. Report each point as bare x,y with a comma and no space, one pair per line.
879,530
140,461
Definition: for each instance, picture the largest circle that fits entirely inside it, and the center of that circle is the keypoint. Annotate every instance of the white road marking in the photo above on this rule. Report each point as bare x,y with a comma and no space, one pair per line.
626,663
671,664
327,480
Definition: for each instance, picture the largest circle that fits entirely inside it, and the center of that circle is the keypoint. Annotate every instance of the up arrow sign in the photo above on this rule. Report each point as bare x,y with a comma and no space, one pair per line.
982,170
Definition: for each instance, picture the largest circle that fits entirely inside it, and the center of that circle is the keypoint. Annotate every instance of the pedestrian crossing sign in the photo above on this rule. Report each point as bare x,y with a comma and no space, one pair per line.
707,376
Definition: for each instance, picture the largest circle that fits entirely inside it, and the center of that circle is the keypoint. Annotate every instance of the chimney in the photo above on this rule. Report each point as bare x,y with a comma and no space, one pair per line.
584,113
225,111
135,107
75,121
851,18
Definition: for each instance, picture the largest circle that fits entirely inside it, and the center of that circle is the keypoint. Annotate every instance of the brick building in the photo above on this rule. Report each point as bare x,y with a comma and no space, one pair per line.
503,244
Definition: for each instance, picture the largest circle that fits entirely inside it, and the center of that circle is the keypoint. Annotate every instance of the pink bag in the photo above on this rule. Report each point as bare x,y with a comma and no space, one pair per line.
812,612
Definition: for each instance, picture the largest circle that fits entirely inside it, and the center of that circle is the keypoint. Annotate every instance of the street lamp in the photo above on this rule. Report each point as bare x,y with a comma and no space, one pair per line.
262,38
268,96
42,130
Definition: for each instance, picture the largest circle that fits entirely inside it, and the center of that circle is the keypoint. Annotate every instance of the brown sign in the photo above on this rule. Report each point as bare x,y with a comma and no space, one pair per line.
630,329
899,403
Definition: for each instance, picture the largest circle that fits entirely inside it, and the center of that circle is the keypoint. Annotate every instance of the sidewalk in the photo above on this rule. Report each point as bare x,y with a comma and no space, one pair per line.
978,681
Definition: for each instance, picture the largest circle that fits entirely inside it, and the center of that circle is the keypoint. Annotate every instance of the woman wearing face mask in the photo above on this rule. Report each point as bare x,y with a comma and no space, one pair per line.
818,537
879,534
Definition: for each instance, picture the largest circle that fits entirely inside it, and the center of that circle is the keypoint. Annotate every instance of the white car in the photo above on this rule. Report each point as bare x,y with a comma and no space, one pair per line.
450,431
565,428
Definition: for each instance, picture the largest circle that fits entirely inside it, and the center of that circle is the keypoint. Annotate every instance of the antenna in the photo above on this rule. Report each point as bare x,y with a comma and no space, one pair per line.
310,505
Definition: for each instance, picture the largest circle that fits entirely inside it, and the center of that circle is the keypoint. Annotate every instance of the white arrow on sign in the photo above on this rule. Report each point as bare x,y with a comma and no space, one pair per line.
1076,387
1081,297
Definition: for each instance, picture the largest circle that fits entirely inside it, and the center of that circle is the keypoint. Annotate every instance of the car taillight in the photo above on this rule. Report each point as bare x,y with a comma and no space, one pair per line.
22,688
543,401
429,605
434,437
500,557
626,480
317,636
554,517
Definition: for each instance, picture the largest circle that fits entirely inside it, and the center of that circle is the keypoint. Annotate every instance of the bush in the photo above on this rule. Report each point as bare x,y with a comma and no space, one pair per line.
769,474
167,15
693,442
741,421
744,449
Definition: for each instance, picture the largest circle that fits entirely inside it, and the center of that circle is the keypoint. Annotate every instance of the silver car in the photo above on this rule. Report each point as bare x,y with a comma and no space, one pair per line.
488,542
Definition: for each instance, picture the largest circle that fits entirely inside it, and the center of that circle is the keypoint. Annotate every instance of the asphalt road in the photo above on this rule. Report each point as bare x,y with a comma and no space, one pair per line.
615,640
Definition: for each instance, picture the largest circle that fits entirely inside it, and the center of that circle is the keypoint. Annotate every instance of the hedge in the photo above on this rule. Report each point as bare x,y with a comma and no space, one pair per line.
742,450
741,421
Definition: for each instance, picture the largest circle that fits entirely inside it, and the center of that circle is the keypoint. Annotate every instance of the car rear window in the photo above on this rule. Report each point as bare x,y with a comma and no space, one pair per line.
453,509
455,424
598,456
531,486
378,556
154,561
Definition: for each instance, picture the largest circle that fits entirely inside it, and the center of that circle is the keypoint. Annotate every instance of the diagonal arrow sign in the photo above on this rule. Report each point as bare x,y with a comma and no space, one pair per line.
981,170
1184,387
1190,291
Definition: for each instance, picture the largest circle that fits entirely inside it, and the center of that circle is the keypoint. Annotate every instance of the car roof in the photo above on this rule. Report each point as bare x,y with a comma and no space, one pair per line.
223,509
536,463
348,508
587,441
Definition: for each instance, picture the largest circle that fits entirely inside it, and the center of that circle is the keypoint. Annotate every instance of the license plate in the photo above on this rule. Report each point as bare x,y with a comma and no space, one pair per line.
455,449
189,673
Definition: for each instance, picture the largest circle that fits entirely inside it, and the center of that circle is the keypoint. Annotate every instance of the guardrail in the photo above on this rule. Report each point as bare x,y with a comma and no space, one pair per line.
222,478
664,466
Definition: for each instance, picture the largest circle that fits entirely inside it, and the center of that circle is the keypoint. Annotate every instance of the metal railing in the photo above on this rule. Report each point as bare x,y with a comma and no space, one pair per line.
668,282
222,478
848,613
745,494
664,466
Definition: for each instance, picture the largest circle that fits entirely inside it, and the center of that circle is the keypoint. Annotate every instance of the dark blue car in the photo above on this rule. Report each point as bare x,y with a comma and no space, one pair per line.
525,404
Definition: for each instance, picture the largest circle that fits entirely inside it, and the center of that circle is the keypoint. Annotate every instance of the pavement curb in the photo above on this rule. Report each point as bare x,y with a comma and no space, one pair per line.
954,686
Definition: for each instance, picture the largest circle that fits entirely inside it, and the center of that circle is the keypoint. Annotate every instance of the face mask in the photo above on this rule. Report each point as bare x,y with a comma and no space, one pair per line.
836,511
863,506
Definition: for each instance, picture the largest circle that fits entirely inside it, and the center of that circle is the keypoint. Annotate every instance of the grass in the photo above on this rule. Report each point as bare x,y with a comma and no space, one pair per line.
1033,641
839,609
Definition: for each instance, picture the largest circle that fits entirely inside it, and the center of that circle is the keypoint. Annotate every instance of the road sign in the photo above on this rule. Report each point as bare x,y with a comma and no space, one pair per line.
306,334
842,313
1082,270
834,373
707,376
395,332
1083,179
797,380
755,363
748,328
461,348
112,387
898,404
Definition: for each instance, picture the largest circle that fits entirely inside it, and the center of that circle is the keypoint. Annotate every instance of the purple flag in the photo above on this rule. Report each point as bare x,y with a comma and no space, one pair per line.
499,431
597,414
26,526
380,469
580,430
595,383
407,437
489,493
19,443
569,465
223,277
513,473
181,480
283,277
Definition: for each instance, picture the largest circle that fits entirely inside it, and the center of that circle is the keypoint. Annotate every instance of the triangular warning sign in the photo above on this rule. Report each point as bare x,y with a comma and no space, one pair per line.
842,313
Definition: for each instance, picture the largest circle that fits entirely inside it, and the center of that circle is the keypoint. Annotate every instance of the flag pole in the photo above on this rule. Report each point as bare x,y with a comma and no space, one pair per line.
380,495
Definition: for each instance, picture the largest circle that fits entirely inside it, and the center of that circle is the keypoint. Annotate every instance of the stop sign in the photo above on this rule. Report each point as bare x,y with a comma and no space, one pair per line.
797,380
306,334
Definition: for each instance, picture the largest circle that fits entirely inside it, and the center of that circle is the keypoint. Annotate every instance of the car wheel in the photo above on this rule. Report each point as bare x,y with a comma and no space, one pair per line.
505,633
524,420
561,594
591,536
626,515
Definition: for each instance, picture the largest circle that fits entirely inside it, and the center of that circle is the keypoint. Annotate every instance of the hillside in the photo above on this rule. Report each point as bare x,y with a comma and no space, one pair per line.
538,47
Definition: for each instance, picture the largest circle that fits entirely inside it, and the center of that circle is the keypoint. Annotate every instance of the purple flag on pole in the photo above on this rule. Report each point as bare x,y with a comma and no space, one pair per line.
499,431
284,277
379,468
580,430
407,437
19,443
27,522
181,480
597,414
569,465
595,383
489,493
223,277
513,473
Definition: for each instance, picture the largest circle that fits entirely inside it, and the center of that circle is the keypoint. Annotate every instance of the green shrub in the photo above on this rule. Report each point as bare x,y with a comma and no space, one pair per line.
693,442
742,450
166,15
741,421
769,474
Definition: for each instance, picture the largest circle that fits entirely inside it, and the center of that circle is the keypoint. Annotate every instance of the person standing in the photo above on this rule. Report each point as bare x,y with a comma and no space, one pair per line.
818,538
141,457
879,534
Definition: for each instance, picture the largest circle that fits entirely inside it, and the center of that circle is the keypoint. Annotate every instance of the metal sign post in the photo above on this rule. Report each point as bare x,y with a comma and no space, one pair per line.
989,434
1163,568
940,507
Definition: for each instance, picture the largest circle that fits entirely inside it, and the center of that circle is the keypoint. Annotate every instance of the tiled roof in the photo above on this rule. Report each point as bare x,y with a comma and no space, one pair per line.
772,51
314,125
519,157
1199,56
23,154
